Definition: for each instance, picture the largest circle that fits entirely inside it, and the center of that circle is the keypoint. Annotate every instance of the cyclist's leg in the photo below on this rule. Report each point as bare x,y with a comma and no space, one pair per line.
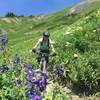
47,61
38,58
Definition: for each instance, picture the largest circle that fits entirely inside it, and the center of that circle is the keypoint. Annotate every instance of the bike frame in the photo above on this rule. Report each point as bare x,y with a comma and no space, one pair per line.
43,63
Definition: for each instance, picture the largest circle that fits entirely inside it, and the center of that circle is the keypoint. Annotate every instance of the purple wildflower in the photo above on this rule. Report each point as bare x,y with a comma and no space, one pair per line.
33,96
40,84
4,41
31,72
32,93
18,81
59,70
29,77
16,61
29,84
4,69
36,97
27,67
36,85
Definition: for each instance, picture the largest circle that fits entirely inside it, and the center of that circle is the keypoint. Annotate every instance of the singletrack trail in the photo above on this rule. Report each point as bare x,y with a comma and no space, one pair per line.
55,86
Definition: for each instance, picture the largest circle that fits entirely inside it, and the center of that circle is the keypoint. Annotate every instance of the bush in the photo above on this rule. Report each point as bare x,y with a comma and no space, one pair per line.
84,77
94,62
81,45
10,14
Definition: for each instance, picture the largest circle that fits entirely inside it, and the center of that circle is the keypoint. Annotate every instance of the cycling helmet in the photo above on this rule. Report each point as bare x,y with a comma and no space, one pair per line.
46,34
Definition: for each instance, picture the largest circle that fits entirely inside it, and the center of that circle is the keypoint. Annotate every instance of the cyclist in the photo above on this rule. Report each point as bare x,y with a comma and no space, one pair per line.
45,45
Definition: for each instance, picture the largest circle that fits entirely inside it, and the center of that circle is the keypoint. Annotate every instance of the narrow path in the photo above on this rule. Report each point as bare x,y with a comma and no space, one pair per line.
67,92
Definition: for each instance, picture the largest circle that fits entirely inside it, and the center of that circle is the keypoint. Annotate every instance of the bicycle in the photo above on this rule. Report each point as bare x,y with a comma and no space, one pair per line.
43,61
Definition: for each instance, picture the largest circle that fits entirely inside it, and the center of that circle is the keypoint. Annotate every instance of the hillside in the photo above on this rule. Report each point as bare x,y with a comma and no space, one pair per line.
76,33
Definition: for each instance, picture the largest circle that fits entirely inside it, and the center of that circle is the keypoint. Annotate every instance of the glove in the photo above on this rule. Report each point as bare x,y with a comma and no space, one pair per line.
33,50
54,54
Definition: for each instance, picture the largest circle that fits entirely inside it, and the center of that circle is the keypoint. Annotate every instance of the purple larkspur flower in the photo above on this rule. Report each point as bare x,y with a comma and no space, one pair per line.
43,84
29,77
36,85
29,84
40,84
36,97
31,72
27,67
33,96
4,69
18,81
4,41
16,61
59,70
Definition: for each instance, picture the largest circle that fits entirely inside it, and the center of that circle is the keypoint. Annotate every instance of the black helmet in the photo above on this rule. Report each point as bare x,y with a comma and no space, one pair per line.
46,34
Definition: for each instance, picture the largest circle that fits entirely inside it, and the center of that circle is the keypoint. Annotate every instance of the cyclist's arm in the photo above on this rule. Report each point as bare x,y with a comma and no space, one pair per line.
37,44
51,45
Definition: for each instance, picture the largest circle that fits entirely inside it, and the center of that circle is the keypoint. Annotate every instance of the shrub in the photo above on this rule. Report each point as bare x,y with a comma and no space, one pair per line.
81,45
84,77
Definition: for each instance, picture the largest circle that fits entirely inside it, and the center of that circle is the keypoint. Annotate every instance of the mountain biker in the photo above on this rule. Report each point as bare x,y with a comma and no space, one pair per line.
45,46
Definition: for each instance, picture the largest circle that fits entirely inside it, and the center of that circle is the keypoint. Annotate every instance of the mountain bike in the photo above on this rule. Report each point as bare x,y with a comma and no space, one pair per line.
43,58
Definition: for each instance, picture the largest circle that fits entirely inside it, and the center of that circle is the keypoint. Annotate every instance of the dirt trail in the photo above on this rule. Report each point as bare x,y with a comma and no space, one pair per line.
66,91
52,86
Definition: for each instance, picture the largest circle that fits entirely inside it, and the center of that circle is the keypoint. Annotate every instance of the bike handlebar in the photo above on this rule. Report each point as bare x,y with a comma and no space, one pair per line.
45,54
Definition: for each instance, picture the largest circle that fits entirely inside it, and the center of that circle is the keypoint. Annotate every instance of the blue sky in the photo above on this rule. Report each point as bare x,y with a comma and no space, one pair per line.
34,7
